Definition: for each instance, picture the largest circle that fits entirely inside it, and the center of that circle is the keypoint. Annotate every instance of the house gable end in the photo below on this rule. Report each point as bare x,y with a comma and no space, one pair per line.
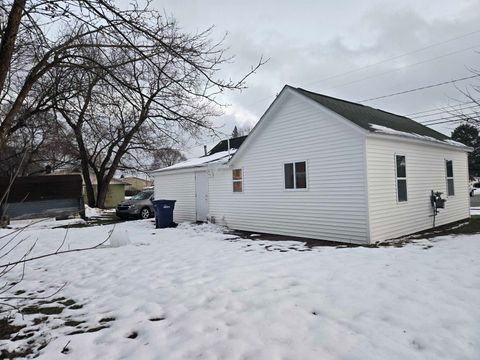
286,93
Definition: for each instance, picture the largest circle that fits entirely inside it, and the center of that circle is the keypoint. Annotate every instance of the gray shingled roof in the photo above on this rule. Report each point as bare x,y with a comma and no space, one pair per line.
223,145
366,116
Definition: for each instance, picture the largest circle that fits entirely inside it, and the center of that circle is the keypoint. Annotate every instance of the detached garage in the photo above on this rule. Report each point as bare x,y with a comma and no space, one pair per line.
324,168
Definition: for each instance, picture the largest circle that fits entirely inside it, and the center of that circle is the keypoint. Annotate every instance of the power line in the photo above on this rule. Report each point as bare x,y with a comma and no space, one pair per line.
445,122
394,57
381,62
427,122
420,88
442,108
401,68
454,121
443,112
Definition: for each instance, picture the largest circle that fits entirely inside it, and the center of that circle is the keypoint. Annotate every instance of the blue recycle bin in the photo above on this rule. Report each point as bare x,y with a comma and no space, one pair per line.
164,213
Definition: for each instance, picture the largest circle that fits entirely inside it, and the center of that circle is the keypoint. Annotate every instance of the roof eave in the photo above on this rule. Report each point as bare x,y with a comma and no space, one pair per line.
438,143
159,171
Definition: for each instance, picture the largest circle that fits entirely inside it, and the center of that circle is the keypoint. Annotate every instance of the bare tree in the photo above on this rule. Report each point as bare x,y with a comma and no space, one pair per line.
30,49
38,147
468,108
132,106
164,157
111,76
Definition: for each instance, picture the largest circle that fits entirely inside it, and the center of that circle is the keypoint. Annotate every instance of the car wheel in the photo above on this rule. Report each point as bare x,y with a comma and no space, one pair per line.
145,213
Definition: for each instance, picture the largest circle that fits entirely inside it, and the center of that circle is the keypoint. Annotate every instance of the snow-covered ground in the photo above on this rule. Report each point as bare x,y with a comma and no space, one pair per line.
197,293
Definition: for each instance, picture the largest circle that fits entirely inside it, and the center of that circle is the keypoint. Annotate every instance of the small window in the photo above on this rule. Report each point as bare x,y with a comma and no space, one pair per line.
289,182
300,175
295,175
450,182
401,178
237,176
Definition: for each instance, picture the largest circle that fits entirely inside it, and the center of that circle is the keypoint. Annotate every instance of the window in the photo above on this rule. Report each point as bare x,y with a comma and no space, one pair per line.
295,175
450,185
237,176
401,176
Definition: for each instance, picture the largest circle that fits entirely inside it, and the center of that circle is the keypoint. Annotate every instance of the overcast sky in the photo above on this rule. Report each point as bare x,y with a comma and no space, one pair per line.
308,43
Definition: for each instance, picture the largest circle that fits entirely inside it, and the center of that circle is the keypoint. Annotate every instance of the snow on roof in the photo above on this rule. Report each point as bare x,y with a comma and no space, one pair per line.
386,130
221,157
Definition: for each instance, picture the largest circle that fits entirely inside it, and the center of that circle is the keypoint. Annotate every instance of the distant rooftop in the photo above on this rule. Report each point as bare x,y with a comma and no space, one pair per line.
223,145
219,154
220,157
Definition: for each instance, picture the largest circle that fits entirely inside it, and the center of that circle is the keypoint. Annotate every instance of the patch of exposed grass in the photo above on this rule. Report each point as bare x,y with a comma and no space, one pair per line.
132,335
106,319
160,318
96,328
76,307
462,227
40,320
48,310
89,330
73,323
7,328
67,302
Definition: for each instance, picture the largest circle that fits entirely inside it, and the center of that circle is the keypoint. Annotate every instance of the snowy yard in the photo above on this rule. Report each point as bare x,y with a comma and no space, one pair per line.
195,292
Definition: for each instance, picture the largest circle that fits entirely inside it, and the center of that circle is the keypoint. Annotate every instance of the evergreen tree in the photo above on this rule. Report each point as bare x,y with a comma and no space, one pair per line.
468,135
235,132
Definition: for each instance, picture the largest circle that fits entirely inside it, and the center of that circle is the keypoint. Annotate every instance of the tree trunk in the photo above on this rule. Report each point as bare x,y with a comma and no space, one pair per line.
85,169
9,38
102,189
7,122
88,186
7,46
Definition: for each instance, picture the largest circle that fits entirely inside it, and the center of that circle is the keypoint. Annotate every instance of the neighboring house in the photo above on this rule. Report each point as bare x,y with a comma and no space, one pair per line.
42,196
324,168
136,184
115,193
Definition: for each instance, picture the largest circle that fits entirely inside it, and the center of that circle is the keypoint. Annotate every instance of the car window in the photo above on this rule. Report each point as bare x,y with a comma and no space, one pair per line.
142,195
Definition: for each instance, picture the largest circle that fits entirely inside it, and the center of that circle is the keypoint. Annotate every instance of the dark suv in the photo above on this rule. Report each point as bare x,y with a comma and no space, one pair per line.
139,205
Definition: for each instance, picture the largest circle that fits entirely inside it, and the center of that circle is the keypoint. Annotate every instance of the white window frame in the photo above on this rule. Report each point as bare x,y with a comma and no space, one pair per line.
236,180
400,178
295,177
449,178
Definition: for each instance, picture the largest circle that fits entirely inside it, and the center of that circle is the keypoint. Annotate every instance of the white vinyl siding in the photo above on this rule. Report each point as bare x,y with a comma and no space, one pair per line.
425,170
179,186
334,204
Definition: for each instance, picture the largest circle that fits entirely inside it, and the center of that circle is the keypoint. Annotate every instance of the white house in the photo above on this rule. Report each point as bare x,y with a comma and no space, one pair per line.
324,168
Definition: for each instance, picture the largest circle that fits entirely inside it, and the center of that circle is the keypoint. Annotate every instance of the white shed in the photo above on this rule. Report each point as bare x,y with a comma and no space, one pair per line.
324,168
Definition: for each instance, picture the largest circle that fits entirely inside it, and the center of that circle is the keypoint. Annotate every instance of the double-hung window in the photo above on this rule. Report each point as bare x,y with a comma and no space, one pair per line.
295,175
401,177
450,182
237,178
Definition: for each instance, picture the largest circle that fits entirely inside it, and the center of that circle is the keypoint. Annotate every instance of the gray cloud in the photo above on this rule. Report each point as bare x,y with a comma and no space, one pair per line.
308,41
